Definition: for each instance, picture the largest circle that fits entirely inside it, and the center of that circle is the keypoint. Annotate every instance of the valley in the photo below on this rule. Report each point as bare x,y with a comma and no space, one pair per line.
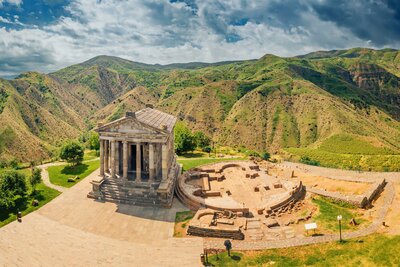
336,108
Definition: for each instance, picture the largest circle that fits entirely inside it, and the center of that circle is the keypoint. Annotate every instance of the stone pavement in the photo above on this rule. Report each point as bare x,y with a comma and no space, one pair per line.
73,230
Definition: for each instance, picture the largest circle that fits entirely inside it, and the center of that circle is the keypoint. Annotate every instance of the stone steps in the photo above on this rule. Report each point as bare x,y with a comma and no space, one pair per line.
112,192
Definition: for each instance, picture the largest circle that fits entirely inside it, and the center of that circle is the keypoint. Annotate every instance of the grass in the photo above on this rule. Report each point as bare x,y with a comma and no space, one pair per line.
348,144
43,194
328,212
374,250
90,155
182,219
59,174
349,161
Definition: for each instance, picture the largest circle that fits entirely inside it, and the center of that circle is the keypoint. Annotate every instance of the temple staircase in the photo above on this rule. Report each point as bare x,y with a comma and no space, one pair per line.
114,192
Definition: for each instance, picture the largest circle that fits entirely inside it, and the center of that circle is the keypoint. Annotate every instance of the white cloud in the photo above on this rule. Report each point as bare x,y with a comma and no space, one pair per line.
12,2
163,32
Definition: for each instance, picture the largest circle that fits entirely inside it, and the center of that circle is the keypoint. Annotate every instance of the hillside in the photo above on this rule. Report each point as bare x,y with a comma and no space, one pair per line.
305,106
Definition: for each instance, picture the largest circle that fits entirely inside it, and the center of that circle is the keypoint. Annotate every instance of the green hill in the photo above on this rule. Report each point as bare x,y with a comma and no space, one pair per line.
335,104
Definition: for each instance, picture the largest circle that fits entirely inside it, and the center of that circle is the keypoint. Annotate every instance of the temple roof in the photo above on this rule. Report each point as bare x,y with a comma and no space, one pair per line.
156,118
148,116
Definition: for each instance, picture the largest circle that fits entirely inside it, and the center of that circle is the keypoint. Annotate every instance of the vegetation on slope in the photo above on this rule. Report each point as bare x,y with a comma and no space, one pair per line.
297,104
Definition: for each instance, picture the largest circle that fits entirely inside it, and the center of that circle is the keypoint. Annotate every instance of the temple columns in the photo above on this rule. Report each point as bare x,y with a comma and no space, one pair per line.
102,157
151,163
117,169
164,162
125,160
113,162
138,162
106,165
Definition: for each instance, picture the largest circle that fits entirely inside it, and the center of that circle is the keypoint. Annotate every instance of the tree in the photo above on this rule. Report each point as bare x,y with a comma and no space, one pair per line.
184,139
36,178
94,142
201,139
12,184
72,152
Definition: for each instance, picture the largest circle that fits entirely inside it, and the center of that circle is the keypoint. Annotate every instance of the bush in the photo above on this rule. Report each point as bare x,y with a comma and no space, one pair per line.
13,163
72,152
184,139
202,140
207,149
266,156
36,178
252,153
307,160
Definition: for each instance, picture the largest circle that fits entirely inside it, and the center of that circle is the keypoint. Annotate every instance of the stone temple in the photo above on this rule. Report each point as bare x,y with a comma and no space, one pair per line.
137,161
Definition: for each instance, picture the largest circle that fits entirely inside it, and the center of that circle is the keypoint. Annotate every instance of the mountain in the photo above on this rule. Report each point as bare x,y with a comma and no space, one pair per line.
320,102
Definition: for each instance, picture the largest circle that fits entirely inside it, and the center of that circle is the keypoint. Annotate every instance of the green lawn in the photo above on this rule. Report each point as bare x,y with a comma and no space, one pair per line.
189,163
89,155
374,250
328,212
59,174
43,194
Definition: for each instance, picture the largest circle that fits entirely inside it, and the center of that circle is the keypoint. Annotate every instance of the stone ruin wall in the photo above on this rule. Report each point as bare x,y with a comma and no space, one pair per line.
196,229
363,201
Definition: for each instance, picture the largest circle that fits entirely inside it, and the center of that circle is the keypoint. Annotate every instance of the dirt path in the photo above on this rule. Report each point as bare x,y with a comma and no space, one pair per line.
46,178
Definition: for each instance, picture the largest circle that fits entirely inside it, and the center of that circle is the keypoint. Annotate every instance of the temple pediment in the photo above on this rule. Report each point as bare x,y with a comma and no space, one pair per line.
129,126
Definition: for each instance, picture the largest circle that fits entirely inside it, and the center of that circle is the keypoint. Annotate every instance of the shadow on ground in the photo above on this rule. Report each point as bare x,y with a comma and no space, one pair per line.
152,213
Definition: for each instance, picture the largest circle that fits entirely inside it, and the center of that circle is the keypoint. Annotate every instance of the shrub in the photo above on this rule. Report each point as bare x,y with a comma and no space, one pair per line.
266,156
72,152
307,160
201,139
207,149
35,178
252,153
184,139
13,163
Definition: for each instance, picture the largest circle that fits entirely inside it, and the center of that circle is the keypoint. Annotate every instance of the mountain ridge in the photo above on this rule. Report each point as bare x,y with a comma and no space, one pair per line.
269,104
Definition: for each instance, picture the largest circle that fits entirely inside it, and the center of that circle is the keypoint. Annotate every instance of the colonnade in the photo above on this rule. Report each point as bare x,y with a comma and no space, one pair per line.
150,165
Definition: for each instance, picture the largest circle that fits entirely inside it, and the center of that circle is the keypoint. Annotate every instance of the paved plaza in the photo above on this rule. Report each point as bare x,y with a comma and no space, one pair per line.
76,230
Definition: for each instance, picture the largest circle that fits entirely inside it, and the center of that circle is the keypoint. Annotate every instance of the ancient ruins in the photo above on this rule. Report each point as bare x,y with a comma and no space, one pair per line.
261,201
137,160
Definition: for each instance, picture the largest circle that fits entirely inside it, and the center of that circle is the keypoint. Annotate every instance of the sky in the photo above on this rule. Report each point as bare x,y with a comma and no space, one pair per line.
46,35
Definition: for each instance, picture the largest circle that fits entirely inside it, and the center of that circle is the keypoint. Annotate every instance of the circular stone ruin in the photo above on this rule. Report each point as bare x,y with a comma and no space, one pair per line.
230,196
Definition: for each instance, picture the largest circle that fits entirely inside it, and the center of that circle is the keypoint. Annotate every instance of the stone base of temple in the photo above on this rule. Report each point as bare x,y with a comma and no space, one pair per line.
143,193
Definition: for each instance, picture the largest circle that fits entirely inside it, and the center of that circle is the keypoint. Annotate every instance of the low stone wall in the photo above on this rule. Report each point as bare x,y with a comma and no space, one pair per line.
375,190
293,196
362,201
220,233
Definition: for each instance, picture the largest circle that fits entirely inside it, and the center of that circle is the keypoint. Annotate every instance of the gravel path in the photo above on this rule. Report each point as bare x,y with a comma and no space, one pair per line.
46,178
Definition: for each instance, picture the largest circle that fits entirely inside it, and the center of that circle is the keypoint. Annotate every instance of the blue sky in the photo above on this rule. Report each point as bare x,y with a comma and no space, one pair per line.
46,35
